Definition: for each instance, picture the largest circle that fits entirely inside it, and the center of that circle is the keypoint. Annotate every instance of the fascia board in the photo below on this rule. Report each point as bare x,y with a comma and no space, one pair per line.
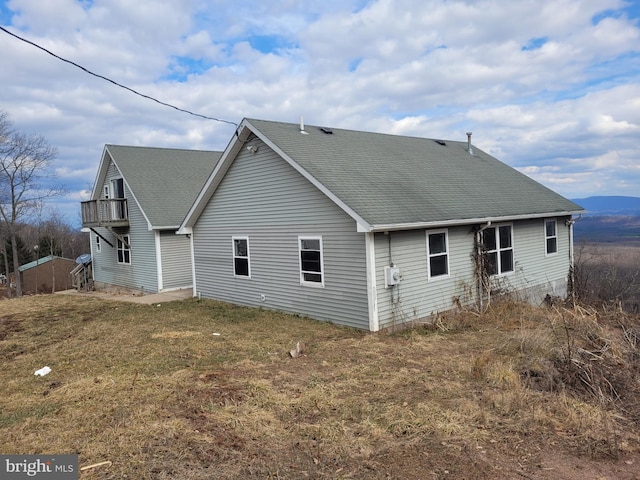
101,174
465,221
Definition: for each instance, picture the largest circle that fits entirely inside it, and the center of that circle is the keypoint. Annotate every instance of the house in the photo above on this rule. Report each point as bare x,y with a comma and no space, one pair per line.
140,197
47,274
371,230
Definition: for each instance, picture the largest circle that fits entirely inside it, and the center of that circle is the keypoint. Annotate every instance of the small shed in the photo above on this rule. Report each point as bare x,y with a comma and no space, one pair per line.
47,275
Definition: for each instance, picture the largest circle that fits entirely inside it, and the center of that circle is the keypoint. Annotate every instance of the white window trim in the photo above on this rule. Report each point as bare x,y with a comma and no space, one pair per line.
429,255
159,271
248,257
98,244
499,249
107,191
304,282
546,238
124,248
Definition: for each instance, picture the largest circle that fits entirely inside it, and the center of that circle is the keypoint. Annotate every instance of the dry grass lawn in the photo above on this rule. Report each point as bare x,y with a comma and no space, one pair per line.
517,392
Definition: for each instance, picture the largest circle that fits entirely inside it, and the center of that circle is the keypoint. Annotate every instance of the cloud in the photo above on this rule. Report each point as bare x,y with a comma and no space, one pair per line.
552,89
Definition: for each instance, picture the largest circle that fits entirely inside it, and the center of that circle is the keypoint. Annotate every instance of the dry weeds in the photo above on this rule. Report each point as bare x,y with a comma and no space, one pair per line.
517,392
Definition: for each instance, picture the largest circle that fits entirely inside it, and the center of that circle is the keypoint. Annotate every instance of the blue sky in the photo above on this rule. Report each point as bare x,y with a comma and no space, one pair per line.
551,88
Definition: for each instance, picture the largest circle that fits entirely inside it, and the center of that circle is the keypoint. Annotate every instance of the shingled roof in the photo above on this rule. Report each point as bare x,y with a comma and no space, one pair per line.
392,181
164,181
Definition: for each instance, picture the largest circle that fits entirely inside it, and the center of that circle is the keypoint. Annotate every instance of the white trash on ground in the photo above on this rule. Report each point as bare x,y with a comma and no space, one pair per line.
43,371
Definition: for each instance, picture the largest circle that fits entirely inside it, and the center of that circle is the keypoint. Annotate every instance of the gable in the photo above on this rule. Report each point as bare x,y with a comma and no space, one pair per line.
164,182
266,202
262,190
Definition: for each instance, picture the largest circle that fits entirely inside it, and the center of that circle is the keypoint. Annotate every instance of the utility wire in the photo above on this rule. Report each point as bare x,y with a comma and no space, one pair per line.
116,83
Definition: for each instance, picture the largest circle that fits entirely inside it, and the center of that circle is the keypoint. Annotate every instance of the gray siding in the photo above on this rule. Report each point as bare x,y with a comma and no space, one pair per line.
264,198
175,252
537,274
416,297
142,273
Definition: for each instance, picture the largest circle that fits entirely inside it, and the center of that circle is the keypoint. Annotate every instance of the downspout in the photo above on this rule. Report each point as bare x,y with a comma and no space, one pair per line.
479,286
569,223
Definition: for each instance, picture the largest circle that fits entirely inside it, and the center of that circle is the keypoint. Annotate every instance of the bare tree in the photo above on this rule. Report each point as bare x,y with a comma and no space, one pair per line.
24,169
5,259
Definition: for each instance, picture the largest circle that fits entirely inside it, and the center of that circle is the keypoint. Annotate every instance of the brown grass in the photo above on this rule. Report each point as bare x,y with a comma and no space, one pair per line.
513,393
607,274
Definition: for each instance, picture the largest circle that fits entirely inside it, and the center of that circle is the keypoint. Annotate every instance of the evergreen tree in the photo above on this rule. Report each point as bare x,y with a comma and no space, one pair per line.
25,254
49,245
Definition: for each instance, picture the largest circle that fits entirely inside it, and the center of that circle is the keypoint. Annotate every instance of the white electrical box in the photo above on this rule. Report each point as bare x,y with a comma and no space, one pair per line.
391,276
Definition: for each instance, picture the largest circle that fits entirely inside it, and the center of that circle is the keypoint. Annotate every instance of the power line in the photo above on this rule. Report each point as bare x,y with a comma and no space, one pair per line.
114,82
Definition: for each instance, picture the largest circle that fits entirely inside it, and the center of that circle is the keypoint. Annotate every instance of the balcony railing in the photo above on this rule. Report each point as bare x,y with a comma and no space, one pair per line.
105,212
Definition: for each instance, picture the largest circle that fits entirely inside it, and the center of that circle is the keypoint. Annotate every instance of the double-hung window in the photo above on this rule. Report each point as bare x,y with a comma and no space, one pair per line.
124,250
241,267
498,248
438,254
551,236
98,245
311,266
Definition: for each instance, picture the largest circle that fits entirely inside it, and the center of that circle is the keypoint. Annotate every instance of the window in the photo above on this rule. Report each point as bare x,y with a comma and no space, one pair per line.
498,247
124,250
551,237
241,257
311,270
438,254
98,246
107,193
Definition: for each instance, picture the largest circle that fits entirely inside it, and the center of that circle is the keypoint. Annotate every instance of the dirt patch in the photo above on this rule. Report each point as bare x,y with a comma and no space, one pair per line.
9,325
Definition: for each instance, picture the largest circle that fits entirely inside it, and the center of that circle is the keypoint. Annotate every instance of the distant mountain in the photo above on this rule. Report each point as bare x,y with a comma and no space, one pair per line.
610,205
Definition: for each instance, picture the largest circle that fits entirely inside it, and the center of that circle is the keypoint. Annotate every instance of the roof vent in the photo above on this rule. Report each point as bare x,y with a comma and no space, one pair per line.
469,149
441,142
326,130
302,126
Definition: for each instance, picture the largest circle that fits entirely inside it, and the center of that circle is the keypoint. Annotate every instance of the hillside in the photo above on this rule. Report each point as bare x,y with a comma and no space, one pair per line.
609,219
617,229
202,389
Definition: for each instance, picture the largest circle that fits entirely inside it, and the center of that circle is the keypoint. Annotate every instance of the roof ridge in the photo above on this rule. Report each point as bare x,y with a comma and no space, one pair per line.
351,130
162,148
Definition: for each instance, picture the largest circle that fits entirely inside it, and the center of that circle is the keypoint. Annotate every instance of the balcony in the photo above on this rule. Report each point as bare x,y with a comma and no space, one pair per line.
105,212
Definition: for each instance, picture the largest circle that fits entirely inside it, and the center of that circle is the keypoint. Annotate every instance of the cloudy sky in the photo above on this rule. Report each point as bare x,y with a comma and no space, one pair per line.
551,87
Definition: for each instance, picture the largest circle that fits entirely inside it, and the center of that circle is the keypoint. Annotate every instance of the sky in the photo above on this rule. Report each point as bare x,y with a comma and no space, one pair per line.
550,87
